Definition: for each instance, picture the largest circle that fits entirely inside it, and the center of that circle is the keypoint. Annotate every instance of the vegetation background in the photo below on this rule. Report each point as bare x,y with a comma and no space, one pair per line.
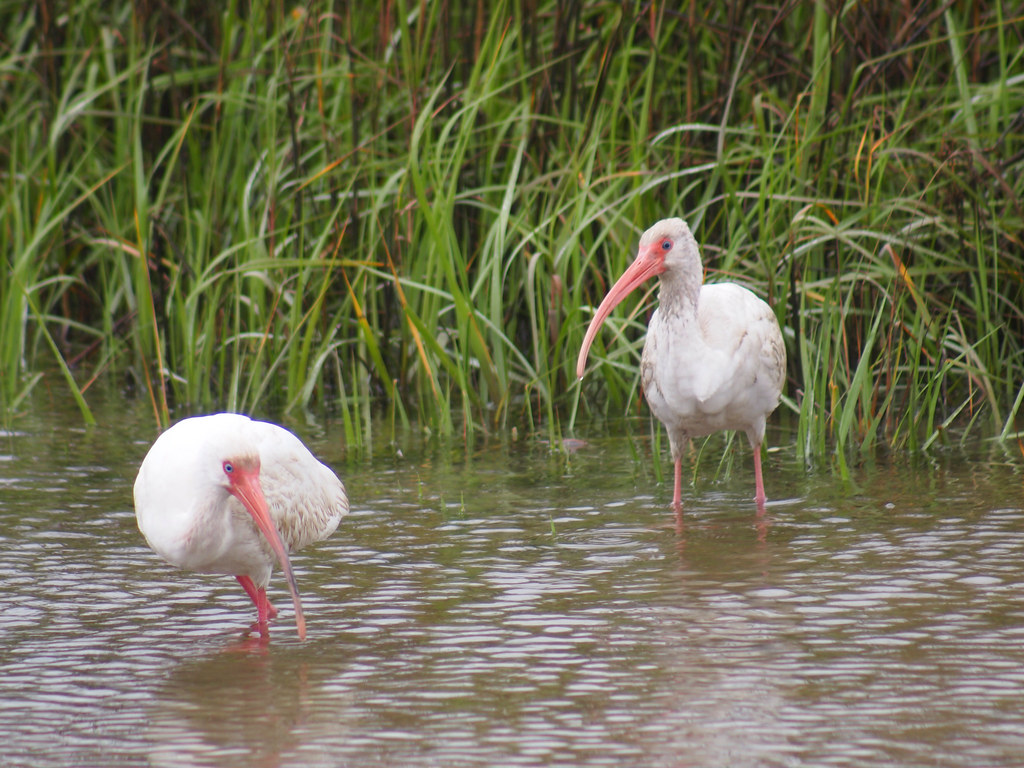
408,209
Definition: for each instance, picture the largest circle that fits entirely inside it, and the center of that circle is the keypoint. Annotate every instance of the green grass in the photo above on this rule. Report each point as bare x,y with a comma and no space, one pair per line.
407,211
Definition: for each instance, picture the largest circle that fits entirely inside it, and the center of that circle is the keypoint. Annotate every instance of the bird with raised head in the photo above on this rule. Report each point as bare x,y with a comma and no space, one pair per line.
714,357
227,494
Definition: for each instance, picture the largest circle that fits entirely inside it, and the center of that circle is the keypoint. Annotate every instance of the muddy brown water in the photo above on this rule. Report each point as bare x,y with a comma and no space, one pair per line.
507,606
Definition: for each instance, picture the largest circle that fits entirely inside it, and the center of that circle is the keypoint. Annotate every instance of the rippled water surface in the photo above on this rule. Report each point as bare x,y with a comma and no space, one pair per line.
504,606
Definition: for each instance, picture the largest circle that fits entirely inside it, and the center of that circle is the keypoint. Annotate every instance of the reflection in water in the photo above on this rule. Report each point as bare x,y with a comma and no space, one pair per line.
242,704
514,609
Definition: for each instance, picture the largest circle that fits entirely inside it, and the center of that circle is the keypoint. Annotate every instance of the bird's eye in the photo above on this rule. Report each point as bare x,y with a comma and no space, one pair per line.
228,467
666,245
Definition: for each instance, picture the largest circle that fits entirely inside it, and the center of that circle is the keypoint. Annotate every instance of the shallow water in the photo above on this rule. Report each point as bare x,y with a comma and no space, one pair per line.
504,606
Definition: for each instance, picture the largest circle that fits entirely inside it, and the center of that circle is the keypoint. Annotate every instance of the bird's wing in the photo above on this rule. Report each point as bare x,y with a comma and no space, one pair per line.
745,350
306,498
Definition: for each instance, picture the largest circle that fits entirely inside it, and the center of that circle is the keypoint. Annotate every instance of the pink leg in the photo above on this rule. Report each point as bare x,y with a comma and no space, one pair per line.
759,496
677,495
264,610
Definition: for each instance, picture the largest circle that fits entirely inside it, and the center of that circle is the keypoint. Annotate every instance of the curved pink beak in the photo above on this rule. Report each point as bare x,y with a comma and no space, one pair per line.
245,486
646,265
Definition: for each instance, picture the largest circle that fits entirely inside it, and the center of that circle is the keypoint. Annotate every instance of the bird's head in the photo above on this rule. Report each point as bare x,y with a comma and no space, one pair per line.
666,248
240,476
239,472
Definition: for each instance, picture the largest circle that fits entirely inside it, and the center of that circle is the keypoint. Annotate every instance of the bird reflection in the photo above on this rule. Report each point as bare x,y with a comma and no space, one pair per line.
245,704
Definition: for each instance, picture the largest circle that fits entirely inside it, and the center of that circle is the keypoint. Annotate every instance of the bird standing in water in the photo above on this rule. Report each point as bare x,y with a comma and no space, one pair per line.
714,357
226,494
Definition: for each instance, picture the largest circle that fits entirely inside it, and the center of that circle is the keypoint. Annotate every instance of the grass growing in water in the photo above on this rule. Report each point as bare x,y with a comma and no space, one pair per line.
411,209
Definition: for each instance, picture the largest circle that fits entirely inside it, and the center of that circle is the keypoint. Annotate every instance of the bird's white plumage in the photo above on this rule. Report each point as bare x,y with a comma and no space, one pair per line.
714,357
720,367
189,517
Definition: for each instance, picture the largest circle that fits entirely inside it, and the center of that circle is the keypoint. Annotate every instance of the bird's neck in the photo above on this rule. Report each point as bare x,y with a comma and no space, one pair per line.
679,293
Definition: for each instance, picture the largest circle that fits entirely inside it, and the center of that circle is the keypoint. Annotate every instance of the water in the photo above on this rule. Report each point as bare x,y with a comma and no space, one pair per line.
507,607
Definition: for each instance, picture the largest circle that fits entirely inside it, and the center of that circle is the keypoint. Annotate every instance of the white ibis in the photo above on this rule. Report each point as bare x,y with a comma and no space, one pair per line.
714,356
226,494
